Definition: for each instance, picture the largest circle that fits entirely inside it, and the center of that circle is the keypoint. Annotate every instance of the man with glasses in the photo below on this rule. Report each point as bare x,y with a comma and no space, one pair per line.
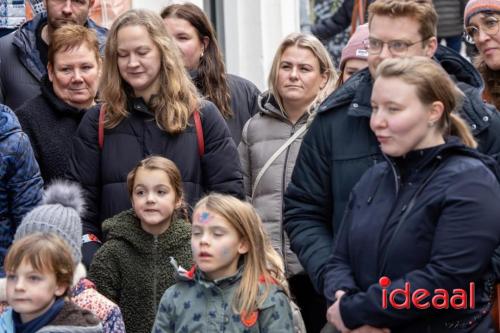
23,56
340,146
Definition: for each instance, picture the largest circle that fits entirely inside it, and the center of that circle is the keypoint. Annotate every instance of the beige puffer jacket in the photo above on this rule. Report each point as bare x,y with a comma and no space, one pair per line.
262,135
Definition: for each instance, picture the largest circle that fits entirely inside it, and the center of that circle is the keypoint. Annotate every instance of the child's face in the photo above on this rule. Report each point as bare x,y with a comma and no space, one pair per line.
31,293
154,200
216,245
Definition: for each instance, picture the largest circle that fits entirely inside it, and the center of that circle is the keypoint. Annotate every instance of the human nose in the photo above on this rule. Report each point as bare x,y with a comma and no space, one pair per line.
377,120
77,75
150,198
482,36
385,52
19,284
132,60
294,73
67,9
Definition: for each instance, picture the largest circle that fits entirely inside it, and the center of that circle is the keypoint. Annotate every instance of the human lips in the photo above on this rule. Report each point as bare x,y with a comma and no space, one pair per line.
383,138
203,255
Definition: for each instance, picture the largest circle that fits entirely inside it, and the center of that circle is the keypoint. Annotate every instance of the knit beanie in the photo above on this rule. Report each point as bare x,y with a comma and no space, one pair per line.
58,213
355,49
477,6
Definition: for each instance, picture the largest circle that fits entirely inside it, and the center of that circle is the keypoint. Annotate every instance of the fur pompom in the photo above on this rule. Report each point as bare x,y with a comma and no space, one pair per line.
65,193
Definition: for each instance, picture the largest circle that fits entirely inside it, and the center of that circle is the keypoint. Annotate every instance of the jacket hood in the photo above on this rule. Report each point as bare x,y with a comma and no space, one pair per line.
461,70
269,105
8,122
126,227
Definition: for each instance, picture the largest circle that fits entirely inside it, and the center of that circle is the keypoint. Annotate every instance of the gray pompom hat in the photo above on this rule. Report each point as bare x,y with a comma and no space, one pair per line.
59,213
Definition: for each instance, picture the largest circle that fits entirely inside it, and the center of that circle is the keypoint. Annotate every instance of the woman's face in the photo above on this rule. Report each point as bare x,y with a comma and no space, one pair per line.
187,39
352,66
299,77
487,38
139,60
75,76
400,121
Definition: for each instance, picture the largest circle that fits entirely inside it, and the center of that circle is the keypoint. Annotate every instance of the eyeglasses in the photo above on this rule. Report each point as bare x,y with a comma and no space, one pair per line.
489,25
396,47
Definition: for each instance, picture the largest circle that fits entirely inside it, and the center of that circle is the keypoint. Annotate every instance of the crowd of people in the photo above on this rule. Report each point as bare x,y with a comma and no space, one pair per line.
343,198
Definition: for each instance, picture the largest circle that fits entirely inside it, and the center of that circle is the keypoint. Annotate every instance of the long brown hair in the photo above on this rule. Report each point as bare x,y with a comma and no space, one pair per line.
212,78
432,84
262,264
177,98
491,80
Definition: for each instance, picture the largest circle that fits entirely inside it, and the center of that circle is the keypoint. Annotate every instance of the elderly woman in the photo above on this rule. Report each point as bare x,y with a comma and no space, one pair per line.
482,21
302,75
151,107
235,97
69,89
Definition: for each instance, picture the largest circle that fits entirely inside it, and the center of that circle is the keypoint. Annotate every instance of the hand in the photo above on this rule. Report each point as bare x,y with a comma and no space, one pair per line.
333,314
370,329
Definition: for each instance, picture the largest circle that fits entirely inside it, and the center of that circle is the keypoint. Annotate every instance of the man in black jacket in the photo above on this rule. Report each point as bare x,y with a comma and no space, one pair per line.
339,146
23,59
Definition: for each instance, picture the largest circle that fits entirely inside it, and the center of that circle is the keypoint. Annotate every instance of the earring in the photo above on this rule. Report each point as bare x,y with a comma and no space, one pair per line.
202,53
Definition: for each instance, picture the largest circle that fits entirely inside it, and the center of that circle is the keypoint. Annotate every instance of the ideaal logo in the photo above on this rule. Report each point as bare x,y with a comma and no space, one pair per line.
440,298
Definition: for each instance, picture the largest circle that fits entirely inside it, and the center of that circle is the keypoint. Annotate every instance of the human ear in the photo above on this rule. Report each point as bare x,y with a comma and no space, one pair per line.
436,111
431,47
50,71
243,247
60,290
205,41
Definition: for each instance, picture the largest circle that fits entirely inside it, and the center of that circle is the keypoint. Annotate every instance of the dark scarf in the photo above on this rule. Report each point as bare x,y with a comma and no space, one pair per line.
39,322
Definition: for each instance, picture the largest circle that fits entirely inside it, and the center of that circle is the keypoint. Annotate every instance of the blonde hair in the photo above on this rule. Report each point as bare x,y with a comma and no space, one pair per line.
46,253
177,98
432,84
326,66
262,264
420,10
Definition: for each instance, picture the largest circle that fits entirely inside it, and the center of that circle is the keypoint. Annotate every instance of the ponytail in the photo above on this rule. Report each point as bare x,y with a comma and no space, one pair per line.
459,128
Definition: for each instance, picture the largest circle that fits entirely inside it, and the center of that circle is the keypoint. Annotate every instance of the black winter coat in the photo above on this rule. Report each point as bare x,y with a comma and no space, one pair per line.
340,146
103,174
244,102
429,218
50,124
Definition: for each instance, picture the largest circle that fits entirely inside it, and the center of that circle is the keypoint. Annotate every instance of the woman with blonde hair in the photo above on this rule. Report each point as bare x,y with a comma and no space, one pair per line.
237,275
425,219
302,75
150,107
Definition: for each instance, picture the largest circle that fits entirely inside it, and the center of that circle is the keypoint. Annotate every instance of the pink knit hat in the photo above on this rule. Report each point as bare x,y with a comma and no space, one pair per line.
476,6
355,48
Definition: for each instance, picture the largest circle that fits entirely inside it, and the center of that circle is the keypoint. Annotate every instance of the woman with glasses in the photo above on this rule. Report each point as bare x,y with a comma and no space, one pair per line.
481,19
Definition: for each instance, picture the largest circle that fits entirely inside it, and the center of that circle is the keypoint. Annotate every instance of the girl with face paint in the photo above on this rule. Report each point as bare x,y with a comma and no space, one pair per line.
237,276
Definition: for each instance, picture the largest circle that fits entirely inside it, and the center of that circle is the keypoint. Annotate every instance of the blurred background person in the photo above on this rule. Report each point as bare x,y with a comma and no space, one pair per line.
51,119
354,55
482,21
301,77
235,97
450,22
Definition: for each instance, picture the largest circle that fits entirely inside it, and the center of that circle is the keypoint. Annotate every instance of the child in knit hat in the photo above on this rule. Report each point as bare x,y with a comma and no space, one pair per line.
39,271
59,214
354,55
133,266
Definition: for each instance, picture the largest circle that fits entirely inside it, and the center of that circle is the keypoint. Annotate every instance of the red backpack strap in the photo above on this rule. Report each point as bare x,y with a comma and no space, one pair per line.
100,130
199,132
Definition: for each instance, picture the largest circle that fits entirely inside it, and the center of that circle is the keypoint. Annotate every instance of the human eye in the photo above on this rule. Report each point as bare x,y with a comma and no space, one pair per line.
374,44
11,276
34,277
196,232
79,2
398,45
285,66
139,193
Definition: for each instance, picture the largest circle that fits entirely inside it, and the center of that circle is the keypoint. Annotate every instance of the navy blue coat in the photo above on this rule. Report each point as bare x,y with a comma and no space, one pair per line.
449,195
21,185
340,146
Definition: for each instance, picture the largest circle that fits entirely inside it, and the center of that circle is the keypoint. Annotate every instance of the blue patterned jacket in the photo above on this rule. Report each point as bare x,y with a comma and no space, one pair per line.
20,182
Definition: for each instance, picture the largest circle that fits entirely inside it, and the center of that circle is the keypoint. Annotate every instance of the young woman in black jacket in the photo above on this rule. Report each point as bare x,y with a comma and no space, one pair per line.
422,223
150,108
